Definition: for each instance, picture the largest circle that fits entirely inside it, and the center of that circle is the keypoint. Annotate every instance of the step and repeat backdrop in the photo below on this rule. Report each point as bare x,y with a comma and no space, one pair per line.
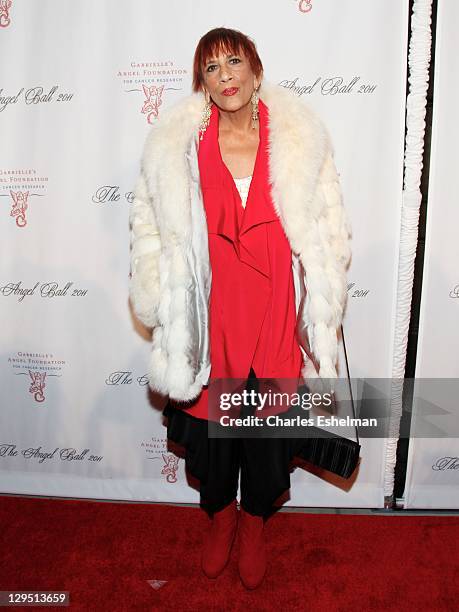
433,460
80,86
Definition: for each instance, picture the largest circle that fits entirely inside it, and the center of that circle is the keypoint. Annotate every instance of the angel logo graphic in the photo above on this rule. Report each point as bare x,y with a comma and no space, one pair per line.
37,385
304,6
153,101
19,207
171,467
5,20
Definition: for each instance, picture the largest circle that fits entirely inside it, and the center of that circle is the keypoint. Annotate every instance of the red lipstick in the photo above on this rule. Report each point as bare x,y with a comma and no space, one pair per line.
230,91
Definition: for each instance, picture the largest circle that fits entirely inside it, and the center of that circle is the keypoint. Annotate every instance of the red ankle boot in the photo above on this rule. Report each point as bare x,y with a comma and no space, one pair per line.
219,540
252,553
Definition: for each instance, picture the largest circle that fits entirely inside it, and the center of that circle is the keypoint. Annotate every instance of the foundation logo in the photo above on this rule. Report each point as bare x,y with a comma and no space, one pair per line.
153,82
304,6
171,467
19,187
37,386
5,6
152,101
156,449
19,207
36,367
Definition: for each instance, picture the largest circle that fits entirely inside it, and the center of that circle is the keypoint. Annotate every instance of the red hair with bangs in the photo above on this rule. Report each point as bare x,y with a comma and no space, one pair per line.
229,41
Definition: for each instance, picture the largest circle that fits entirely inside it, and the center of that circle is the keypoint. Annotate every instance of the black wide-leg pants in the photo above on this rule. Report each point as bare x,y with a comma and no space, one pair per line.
264,463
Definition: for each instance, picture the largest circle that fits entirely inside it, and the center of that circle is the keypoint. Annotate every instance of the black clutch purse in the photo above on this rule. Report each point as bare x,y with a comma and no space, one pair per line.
333,453
330,451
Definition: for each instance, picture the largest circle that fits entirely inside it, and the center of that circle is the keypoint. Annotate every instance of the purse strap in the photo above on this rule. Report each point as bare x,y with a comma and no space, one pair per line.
350,384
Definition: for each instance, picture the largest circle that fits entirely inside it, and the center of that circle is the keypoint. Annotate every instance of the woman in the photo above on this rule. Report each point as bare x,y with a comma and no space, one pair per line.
239,251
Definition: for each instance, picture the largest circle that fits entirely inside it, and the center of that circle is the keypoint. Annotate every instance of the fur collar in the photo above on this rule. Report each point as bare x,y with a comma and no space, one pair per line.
298,145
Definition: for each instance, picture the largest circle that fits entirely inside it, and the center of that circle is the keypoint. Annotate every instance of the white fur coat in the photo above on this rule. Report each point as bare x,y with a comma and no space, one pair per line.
170,272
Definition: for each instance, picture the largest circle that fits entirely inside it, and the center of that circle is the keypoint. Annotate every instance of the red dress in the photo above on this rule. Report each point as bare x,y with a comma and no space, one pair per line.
252,301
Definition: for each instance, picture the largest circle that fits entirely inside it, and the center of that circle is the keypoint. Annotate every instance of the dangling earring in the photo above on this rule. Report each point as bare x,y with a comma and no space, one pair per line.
254,108
205,118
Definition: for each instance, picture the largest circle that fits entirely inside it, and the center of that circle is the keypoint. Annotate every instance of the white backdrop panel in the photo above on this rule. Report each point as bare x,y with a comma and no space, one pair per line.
433,463
74,358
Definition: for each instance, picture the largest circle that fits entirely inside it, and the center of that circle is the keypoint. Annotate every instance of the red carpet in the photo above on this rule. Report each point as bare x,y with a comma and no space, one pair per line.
104,553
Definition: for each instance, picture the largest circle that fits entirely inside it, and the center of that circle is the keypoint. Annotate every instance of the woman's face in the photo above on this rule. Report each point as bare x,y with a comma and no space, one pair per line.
229,80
